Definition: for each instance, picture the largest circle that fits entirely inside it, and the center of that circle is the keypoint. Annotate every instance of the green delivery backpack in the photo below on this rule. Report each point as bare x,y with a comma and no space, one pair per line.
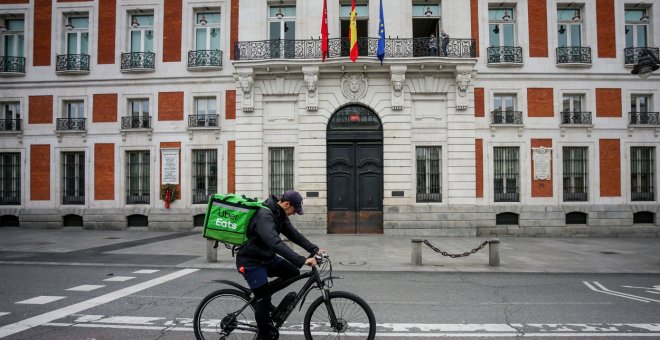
228,217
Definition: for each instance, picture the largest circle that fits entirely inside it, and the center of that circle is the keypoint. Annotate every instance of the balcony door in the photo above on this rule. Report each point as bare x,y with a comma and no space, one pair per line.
282,31
77,36
13,40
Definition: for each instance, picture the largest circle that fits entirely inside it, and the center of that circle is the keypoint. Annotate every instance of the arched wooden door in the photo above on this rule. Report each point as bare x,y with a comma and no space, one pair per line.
355,171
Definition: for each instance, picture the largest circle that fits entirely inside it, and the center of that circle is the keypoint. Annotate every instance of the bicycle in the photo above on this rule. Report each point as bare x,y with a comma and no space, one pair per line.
229,313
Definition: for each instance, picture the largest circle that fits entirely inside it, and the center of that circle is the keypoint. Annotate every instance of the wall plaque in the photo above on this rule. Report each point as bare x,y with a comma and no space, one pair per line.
542,157
170,166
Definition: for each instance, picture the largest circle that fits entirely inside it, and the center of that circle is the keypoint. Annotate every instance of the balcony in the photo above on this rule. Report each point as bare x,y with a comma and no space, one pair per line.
70,124
507,117
644,118
12,66
10,125
505,55
72,63
142,122
203,121
339,47
137,61
573,56
632,54
205,59
576,118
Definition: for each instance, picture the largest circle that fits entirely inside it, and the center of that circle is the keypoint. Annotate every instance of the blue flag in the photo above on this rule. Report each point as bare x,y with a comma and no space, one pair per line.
381,36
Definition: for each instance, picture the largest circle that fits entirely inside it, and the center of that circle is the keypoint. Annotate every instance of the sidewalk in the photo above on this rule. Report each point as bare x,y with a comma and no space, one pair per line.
367,252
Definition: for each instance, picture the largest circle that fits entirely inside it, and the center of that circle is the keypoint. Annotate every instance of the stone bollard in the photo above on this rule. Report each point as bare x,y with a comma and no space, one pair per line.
494,252
211,253
417,251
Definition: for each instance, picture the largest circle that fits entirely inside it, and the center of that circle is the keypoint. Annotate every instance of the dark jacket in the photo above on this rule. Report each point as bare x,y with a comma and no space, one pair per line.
264,241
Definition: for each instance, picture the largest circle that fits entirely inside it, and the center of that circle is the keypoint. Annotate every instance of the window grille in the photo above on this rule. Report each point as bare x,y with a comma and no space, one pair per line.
506,218
281,170
642,173
72,220
204,175
198,220
137,221
9,221
73,177
576,217
507,170
10,178
137,177
575,173
429,174
644,217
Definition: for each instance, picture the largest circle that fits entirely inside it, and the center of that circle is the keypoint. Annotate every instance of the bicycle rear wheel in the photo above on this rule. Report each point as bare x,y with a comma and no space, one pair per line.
218,316
354,318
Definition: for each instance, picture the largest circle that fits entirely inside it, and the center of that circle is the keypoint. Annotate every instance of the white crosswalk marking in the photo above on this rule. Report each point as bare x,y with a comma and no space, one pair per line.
4,313
40,300
146,271
86,288
120,278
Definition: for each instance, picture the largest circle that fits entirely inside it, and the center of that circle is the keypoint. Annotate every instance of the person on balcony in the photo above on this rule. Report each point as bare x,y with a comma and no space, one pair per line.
445,42
433,45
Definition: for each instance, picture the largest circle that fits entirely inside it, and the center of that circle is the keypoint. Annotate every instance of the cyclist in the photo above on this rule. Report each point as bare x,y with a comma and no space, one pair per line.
258,259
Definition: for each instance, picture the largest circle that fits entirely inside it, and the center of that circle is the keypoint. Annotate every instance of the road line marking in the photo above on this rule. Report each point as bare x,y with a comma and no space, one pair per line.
120,278
81,306
626,294
610,293
146,271
4,313
86,288
40,300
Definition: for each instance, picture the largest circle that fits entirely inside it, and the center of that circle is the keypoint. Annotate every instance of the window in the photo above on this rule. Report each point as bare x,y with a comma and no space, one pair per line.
569,27
205,112
10,116
429,174
642,163
573,110
362,27
204,175
282,27
640,110
575,173
10,178
572,103
507,169
207,31
77,34
13,40
74,109
504,106
137,177
426,20
139,113
142,33
501,26
281,170
637,27
73,178
506,218
576,217
644,217
640,103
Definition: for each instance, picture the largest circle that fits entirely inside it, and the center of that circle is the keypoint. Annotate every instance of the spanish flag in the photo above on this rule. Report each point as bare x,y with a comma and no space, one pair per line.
352,33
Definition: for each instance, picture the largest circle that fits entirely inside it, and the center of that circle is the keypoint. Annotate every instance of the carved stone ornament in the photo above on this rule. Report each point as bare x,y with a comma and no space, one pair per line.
463,78
354,85
398,78
311,80
246,83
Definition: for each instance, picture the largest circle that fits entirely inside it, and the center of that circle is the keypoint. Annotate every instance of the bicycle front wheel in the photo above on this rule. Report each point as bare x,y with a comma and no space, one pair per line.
219,316
353,316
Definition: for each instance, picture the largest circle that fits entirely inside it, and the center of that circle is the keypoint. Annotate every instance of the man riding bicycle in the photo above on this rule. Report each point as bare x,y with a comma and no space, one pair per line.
258,259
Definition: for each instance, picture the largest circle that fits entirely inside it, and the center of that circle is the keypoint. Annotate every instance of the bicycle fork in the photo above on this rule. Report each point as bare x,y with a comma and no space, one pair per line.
337,325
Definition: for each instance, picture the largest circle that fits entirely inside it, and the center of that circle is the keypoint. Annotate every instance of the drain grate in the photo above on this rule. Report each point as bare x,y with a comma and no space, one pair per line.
609,253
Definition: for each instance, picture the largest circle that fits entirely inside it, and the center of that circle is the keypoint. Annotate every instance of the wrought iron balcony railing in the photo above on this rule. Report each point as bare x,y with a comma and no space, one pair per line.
10,125
12,64
505,55
644,118
64,124
506,197
10,197
507,117
339,47
138,198
142,122
573,55
632,54
576,117
72,63
205,58
643,196
203,120
575,196
138,61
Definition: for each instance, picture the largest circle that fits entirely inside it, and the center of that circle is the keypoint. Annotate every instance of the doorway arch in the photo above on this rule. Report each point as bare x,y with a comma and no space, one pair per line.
355,171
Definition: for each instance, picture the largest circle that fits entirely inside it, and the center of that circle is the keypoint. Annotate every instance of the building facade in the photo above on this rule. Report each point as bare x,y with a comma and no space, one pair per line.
484,117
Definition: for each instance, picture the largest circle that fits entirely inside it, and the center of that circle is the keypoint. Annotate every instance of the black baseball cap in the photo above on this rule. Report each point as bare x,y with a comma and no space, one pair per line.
295,199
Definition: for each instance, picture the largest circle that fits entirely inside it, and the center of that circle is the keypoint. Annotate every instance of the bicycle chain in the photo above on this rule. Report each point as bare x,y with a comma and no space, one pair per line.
467,253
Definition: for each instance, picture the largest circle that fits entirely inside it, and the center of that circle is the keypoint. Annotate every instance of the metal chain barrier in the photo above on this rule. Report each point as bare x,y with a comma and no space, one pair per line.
467,253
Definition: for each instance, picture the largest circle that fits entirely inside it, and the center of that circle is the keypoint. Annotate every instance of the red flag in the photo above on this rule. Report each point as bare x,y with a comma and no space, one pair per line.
324,31
352,33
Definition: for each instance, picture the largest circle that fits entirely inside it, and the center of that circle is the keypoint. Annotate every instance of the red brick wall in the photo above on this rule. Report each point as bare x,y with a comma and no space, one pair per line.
171,145
474,23
42,30
40,172
172,31
8,2
539,102
479,164
608,103
104,171
231,166
105,108
606,29
538,28
230,104
234,28
479,110
106,38
40,110
170,106
73,0
610,167
541,188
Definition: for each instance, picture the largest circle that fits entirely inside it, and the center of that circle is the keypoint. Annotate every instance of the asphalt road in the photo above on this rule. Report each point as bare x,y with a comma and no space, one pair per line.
60,301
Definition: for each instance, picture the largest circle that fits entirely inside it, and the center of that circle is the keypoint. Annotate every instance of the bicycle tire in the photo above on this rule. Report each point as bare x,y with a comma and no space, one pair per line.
343,309
215,308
